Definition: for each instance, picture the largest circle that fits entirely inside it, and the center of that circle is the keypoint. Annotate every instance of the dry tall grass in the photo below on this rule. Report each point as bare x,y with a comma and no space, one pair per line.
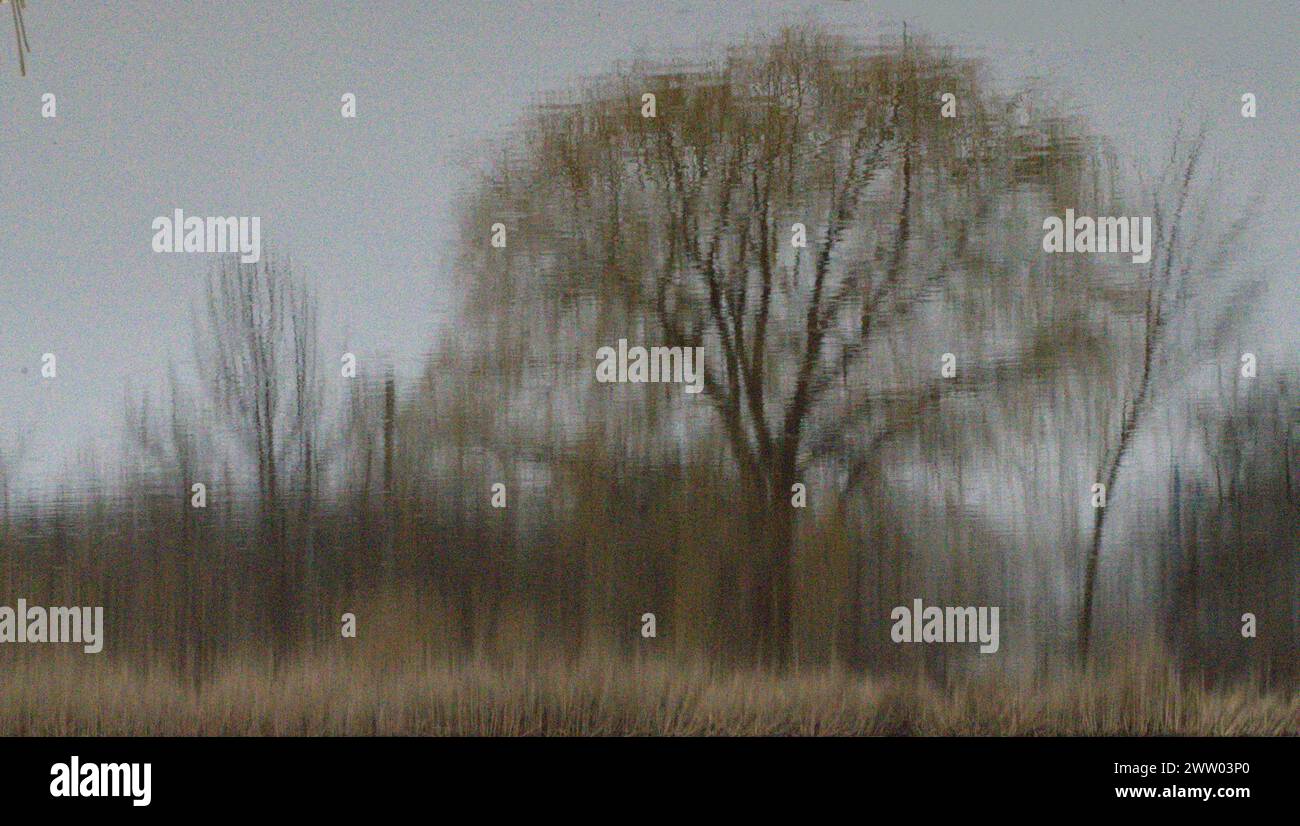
332,696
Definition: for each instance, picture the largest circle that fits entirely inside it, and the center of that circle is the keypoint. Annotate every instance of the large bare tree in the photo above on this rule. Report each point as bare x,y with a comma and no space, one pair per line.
923,238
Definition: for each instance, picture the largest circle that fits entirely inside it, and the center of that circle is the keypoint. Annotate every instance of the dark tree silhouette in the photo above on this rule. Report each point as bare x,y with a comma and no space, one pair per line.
679,226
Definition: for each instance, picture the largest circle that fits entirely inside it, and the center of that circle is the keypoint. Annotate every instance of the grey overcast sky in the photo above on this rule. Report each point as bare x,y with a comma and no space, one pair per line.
232,108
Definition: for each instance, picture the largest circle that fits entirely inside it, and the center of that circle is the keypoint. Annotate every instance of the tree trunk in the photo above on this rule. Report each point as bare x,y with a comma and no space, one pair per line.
773,602
781,554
